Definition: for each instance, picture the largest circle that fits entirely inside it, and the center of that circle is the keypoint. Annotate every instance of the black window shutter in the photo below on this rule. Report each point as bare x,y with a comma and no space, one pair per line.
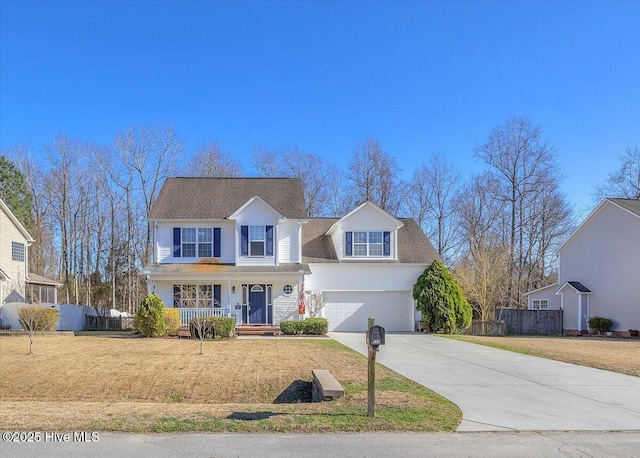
217,294
386,249
216,242
244,244
348,236
176,242
269,240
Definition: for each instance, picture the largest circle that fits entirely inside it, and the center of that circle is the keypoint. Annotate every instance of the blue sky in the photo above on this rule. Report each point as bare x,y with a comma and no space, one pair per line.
419,76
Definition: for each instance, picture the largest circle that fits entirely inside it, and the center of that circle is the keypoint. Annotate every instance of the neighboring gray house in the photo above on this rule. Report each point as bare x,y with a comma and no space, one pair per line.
599,272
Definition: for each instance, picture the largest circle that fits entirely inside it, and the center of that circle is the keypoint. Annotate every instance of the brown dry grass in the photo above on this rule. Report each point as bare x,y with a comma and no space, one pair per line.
617,355
141,384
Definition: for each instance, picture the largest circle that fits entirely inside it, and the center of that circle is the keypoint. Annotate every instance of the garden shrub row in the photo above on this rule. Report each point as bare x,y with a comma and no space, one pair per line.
310,326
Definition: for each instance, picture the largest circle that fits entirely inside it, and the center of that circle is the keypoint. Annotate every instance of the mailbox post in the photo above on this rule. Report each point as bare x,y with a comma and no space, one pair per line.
375,338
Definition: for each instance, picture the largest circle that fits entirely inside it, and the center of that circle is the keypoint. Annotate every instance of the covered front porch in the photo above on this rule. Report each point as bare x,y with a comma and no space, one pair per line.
252,295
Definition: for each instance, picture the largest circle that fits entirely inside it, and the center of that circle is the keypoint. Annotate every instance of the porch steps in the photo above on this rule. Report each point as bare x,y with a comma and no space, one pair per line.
258,330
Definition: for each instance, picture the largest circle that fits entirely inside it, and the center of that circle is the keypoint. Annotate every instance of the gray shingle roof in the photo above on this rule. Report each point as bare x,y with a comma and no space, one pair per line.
579,287
217,198
413,246
633,205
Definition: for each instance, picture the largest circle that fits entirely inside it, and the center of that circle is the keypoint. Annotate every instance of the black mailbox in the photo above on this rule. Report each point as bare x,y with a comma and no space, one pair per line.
375,336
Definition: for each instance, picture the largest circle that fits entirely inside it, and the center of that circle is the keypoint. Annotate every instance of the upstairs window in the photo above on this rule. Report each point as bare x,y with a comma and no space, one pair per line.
205,242
364,244
256,240
17,251
189,242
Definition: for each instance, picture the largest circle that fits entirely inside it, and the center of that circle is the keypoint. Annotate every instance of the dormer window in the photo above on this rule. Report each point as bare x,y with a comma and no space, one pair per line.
256,240
367,244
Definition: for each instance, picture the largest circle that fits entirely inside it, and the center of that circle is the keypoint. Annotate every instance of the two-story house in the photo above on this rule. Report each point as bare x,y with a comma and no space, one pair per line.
17,284
599,270
244,247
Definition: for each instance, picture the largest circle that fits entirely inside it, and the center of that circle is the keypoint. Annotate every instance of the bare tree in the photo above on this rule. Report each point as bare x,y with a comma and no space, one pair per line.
434,204
481,274
314,302
625,181
313,171
375,177
35,318
523,165
149,155
209,160
201,328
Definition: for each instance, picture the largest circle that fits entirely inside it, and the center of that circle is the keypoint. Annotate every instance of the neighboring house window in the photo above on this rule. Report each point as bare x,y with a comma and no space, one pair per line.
362,243
256,241
540,304
189,242
17,251
197,296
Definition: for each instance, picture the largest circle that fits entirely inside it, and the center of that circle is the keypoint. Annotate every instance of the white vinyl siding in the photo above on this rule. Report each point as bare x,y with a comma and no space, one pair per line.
603,255
348,311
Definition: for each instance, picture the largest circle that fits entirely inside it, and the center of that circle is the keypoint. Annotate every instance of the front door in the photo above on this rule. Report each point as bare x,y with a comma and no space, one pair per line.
257,304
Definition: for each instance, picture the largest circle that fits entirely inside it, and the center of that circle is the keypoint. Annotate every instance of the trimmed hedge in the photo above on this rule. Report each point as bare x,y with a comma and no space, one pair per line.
171,321
600,324
310,326
214,327
291,328
38,318
315,326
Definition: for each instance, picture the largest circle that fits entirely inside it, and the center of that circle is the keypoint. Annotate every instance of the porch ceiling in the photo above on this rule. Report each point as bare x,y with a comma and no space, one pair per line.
177,269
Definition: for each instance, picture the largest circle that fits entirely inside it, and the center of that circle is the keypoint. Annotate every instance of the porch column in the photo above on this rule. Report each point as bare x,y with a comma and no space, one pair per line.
580,312
228,297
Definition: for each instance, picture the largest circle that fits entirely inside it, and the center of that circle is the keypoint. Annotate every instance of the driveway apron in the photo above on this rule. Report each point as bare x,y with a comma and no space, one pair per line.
498,390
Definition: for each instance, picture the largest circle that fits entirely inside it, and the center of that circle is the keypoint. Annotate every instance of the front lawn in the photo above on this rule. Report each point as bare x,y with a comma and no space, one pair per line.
617,355
161,385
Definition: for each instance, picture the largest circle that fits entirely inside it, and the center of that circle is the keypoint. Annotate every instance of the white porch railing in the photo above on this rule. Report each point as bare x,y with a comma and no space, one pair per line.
187,314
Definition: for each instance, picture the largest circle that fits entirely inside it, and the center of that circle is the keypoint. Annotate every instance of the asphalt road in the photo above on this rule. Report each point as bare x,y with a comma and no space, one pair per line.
538,445
499,390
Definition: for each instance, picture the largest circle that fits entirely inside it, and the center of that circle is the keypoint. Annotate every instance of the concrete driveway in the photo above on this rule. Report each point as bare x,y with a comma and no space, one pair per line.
499,390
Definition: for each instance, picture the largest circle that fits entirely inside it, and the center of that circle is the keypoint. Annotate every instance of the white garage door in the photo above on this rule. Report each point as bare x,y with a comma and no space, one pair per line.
348,311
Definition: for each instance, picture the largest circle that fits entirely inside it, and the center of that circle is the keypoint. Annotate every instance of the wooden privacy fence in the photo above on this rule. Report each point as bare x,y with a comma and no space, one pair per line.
487,328
532,322
107,323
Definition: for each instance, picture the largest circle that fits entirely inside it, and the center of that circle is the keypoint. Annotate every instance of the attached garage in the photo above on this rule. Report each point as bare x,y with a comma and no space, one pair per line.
348,311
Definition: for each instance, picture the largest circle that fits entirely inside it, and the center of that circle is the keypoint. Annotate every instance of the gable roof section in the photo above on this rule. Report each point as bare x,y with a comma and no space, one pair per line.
218,198
15,222
554,286
576,285
630,205
413,246
368,203
252,200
